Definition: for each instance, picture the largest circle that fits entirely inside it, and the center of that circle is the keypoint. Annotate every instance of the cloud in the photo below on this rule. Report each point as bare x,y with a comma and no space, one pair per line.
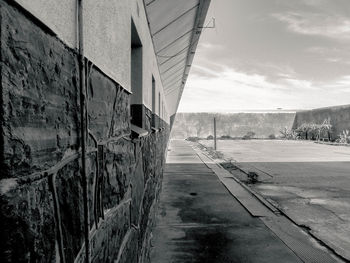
207,45
288,54
315,3
231,90
330,26
343,83
324,50
199,71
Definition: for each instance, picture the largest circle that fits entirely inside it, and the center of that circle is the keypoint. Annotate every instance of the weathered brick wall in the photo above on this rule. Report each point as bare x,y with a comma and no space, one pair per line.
41,193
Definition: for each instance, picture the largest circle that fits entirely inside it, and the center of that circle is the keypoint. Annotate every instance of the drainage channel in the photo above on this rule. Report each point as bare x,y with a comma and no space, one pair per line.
304,245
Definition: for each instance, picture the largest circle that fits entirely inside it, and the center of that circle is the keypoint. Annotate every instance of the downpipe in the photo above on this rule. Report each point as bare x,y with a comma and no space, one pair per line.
83,126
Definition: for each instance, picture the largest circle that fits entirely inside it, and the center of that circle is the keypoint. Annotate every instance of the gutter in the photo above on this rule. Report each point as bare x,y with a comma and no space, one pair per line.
199,22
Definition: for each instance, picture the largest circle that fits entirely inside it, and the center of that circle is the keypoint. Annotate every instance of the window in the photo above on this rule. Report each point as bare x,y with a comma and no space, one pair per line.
137,111
159,103
153,102
163,110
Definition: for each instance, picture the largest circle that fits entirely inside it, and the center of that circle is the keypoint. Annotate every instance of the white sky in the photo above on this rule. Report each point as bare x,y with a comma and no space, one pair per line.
268,54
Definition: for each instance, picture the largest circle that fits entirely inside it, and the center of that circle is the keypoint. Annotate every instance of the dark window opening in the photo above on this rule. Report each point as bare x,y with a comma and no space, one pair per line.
137,109
159,109
153,103
159,103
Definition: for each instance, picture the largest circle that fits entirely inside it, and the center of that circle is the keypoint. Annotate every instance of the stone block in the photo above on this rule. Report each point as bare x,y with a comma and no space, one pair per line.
70,196
27,221
137,187
130,245
119,166
38,90
109,109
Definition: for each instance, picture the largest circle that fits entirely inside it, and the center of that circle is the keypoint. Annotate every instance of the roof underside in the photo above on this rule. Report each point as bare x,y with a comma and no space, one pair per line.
175,27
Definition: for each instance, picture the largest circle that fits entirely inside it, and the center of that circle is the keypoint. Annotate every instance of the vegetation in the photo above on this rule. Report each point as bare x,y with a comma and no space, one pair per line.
193,139
234,124
309,131
272,137
289,134
249,135
306,131
252,177
305,128
326,128
344,137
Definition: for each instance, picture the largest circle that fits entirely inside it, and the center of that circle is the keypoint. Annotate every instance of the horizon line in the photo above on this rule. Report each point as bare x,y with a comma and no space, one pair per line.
267,110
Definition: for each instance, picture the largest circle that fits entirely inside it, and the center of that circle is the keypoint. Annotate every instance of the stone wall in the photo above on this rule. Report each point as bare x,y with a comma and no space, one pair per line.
41,193
339,117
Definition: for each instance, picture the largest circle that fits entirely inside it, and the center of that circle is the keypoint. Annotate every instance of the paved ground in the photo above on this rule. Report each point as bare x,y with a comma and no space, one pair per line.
198,220
310,182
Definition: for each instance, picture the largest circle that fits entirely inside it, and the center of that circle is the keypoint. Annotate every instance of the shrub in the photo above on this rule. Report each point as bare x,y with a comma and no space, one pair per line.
344,137
210,137
289,134
272,136
315,131
248,136
252,177
193,139
226,137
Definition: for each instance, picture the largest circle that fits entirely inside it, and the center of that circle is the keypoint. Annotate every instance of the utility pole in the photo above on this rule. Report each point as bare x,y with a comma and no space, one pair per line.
214,133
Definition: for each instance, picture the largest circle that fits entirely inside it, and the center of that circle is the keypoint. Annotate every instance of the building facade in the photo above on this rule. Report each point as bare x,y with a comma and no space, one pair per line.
89,90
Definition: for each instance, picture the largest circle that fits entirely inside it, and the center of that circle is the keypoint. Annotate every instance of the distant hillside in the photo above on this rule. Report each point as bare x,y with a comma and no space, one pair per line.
232,124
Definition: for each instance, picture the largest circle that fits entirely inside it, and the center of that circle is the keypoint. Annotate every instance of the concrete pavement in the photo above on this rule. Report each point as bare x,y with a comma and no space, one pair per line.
199,220
309,182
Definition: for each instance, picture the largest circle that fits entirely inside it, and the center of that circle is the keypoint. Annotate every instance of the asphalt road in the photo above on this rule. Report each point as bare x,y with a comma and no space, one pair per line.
310,182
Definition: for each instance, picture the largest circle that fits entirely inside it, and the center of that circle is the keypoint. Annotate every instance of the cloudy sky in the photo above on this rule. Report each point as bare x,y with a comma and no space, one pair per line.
269,54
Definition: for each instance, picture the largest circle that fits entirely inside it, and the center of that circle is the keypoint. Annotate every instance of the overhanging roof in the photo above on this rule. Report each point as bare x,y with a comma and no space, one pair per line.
175,27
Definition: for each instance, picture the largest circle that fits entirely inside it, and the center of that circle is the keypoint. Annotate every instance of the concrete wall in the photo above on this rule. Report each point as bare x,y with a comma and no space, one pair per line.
263,124
41,187
232,124
339,117
107,36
